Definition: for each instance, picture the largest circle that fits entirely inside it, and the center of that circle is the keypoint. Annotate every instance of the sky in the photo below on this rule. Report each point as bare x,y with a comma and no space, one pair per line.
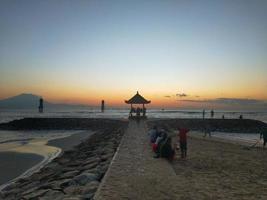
176,53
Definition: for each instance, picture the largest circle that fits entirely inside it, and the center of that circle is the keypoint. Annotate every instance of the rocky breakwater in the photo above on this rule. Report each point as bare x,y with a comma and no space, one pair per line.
76,174
223,125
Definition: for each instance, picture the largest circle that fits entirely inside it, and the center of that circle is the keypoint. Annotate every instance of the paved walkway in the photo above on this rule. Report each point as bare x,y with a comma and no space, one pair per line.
135,174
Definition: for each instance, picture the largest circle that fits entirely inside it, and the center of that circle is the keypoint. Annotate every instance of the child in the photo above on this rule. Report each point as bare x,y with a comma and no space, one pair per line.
182,136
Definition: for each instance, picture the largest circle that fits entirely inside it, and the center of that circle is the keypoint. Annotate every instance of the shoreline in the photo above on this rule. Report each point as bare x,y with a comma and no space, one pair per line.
75,172
54,146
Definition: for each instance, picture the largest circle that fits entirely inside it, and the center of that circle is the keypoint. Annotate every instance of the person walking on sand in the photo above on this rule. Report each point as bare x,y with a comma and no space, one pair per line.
207,130
182,136
203,114
211,113
263,135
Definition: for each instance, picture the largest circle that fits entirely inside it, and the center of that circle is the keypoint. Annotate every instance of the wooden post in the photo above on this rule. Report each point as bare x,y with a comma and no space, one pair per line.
41,105
102,106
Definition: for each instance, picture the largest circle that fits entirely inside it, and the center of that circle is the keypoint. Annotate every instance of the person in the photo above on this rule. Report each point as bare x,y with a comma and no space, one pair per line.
240,116
182,135
263,134
222,116
207,130
211,113
203,114
138,111
166,150
144,112
159,141
153,134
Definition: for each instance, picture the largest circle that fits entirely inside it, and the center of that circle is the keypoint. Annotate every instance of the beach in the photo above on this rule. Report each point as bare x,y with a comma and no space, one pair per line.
216,168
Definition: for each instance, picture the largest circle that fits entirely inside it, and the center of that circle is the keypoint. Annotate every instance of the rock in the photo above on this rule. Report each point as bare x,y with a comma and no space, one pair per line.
28,186
88,196
64,183
89,188
84,178
62,161
71,197
35,194
91,160
74,190
52,194
70,174
89,166
31,190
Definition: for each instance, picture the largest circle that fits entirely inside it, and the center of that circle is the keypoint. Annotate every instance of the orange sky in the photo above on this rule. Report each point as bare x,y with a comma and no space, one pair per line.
84,51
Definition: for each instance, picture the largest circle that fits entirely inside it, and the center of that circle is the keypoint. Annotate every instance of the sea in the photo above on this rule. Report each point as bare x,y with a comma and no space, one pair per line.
122,113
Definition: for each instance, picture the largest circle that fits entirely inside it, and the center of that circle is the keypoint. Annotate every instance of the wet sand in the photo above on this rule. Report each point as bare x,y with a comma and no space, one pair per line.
68,143
13,164
34,154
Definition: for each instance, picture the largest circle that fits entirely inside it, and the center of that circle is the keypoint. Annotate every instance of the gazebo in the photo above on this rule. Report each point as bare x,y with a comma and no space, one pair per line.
137,99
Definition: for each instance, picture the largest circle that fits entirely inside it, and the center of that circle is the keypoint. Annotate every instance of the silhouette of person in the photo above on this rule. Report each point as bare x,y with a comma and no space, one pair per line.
211,113
203,114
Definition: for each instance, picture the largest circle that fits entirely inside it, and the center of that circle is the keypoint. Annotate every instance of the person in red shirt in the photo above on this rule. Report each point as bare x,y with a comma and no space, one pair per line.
182,135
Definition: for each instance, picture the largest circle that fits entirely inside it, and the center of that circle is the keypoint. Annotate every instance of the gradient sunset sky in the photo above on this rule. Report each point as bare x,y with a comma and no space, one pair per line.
179,53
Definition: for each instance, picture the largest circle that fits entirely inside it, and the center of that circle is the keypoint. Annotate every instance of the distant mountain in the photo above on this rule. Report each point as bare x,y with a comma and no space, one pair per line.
31,101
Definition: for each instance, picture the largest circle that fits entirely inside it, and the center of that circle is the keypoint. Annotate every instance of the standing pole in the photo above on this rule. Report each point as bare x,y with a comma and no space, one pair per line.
102,106
41,105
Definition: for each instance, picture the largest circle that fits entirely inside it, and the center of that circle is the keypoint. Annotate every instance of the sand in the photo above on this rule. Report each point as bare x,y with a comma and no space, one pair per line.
214,170
68,143
220,170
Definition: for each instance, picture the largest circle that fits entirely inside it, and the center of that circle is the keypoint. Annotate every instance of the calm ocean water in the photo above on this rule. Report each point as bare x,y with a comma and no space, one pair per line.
9,115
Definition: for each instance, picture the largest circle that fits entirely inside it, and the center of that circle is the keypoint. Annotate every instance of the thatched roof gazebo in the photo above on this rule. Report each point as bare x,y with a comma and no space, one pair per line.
137,99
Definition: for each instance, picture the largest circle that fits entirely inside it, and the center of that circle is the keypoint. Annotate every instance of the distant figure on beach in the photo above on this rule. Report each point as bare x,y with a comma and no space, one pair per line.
241,117
132,111
211,114
144,112
222,116
182,137
207,130
41,105
263,134
203,114
138,111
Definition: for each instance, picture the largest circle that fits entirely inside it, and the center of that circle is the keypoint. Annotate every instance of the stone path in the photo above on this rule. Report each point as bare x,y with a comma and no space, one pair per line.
134,173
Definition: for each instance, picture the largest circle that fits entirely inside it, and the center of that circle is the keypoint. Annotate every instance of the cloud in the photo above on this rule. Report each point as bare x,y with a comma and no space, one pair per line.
181,95
167,96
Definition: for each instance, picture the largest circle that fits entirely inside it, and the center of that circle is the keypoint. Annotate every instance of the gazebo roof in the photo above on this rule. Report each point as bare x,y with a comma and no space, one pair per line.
137,99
